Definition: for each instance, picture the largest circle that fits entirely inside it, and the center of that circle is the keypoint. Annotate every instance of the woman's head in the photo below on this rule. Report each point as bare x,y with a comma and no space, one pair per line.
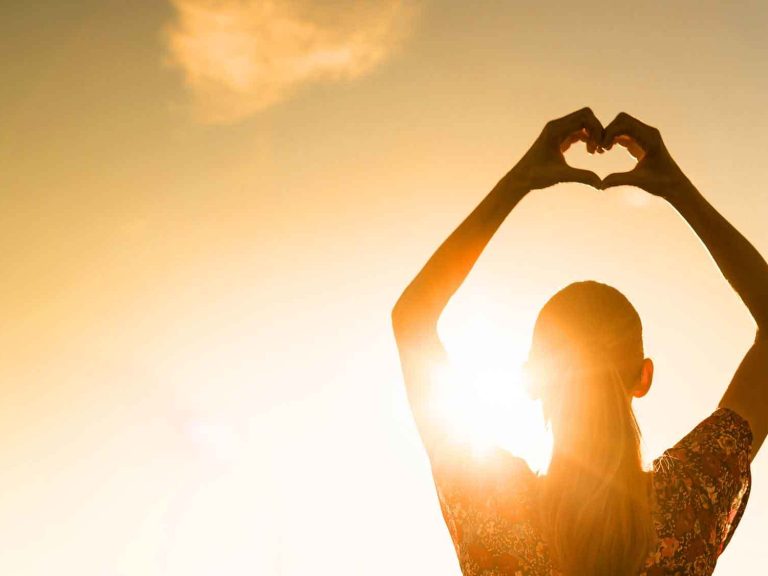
586,363
586,329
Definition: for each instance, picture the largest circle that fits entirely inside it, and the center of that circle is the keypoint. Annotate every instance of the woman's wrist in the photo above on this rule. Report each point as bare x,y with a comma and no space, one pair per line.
517,181
682,195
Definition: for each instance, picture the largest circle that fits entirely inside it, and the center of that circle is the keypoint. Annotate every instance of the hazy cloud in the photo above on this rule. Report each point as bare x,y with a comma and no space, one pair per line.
241,56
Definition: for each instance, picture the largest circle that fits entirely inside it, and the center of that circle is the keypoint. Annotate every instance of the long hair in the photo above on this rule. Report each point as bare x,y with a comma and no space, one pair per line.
594,501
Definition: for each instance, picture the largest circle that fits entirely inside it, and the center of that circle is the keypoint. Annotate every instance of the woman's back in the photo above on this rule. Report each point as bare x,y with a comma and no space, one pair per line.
699,489
587,366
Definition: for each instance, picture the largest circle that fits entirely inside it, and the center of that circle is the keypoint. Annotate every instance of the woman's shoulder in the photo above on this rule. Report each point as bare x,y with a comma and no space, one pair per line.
722,434
704,480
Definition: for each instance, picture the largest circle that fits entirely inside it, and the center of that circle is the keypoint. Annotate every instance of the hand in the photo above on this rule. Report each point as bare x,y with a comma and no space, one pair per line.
544,164
656,172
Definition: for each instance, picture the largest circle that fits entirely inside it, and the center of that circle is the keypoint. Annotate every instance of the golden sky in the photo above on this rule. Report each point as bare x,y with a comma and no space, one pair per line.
208,209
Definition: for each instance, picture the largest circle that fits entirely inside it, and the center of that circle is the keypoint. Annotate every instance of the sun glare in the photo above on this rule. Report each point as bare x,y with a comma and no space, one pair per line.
480,395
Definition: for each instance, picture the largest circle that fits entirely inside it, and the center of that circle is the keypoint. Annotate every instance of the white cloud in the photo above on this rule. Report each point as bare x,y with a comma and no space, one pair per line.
239,57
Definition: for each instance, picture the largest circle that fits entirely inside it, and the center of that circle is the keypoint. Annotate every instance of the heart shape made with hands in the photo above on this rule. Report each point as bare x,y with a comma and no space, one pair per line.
654,171
617,159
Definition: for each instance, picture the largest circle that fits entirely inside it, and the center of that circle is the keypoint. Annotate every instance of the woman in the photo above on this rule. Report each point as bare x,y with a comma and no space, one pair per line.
596,511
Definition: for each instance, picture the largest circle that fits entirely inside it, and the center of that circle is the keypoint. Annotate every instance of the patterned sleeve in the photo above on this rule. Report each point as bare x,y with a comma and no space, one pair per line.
472,486
715,461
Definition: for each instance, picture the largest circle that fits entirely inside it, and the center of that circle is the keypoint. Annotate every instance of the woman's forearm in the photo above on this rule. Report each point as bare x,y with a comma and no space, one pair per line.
544,165
425,297
739,261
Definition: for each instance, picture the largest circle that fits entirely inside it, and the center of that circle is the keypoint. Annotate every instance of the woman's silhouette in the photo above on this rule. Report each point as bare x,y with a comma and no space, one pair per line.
596,511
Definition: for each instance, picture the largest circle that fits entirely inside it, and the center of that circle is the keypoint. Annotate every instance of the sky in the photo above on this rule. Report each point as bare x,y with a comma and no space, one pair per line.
209,208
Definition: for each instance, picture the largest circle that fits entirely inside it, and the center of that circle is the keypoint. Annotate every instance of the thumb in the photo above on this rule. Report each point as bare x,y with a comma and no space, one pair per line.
582,176
619,179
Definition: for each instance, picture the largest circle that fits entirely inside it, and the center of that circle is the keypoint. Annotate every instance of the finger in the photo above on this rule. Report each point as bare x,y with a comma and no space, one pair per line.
591,144
619,179
581,119
565,144
569,174
626,125
581,135
631,145
621,126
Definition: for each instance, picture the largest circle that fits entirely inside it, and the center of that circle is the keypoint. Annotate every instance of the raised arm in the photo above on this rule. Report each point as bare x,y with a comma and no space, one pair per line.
415,315
741,264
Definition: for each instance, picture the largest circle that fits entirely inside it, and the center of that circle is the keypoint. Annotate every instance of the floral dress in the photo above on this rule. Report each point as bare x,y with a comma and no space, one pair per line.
700,489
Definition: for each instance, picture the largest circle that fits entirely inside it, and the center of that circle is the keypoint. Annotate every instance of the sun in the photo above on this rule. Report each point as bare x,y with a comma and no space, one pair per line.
480,392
